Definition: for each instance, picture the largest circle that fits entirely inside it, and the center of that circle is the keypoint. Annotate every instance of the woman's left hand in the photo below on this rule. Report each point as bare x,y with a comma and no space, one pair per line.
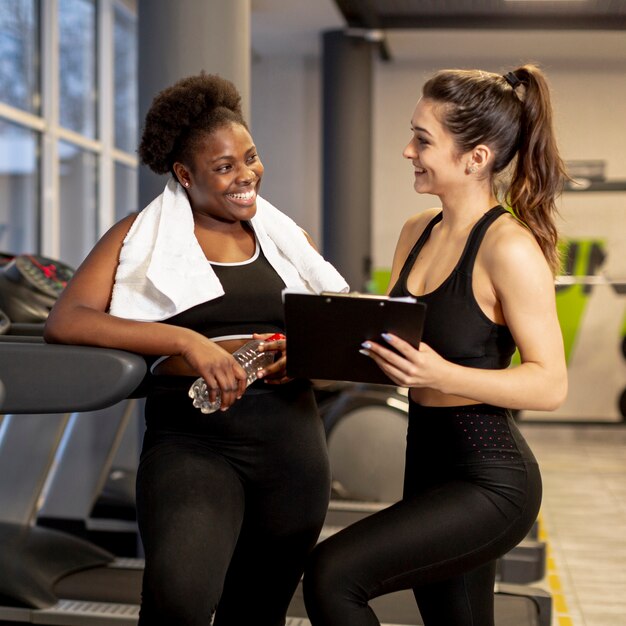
405,365
276,373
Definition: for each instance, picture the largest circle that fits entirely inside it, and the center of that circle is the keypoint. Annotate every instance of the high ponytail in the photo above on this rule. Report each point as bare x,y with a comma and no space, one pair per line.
513,116
539,172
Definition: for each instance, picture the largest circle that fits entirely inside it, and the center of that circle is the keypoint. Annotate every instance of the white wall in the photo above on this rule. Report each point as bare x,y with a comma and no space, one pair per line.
587,73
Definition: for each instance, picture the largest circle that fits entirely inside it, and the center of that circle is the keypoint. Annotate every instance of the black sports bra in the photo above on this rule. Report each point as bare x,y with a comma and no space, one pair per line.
252,302
455,325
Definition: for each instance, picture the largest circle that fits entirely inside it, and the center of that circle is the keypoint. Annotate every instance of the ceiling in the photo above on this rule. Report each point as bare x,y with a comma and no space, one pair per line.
484,14
406,28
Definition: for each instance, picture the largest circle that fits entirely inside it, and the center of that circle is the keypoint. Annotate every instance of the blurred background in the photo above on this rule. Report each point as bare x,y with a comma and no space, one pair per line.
328,87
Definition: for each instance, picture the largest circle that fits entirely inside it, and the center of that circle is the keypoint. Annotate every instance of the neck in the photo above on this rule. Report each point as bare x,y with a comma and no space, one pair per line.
465,208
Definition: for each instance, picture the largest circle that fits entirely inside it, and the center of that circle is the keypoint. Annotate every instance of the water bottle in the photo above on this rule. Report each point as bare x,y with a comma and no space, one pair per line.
249,358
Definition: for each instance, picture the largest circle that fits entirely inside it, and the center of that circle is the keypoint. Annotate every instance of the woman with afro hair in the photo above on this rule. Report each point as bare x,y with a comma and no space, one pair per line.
229,504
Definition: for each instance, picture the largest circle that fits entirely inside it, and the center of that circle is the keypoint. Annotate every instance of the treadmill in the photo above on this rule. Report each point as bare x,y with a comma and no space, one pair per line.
53,577
50,577
44,388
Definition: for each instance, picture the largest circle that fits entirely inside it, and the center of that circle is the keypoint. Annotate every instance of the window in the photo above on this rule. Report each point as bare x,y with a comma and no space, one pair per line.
19,52
19,182
77,178
68,123
77,66
125,78
126,191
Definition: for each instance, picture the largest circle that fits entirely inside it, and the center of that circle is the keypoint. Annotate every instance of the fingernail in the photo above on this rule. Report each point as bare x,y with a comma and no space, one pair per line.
366,344
386,336
364,352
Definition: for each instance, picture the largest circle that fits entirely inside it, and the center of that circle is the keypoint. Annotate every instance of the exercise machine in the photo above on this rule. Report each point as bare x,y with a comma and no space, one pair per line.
55,578
52,577
44,386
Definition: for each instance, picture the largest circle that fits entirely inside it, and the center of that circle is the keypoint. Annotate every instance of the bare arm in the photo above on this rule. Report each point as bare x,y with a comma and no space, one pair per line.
80,317
525,289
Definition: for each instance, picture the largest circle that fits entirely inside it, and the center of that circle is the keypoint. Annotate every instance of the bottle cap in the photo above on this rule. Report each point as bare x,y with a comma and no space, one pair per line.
275,337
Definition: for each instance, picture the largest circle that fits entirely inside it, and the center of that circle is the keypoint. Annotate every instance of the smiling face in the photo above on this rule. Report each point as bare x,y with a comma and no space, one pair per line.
223,179
436,160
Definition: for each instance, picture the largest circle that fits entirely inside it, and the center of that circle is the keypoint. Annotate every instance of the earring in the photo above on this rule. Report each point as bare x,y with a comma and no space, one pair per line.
186,184
472,169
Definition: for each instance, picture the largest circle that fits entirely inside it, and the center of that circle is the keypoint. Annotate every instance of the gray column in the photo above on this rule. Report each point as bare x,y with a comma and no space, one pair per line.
347,159
181,38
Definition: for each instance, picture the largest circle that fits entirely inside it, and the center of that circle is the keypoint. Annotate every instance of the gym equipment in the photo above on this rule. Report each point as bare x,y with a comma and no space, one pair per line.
39,566
81,468
30,285
45,384
514,606
5,323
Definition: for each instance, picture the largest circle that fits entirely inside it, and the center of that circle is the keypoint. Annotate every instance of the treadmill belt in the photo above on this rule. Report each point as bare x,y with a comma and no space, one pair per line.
123,586
102,584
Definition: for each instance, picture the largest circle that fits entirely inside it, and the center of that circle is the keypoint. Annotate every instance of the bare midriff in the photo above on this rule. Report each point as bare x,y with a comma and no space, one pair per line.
431,397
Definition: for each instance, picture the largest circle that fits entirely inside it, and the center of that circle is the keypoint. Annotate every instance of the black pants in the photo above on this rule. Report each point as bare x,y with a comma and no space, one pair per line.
229,506
472,491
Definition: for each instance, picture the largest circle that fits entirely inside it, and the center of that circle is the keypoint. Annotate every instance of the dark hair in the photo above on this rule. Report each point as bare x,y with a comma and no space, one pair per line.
181,115
513,116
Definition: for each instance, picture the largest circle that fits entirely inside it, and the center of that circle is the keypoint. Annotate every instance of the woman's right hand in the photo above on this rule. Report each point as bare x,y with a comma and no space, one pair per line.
219,369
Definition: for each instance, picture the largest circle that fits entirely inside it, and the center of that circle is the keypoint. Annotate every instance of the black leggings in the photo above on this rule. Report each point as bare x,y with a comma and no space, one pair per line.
472,491
229,506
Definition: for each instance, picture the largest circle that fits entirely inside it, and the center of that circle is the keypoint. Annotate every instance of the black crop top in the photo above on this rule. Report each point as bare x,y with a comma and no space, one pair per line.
252,301
455,326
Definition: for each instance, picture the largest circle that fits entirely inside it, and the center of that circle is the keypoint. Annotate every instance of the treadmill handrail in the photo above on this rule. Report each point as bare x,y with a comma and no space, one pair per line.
55,378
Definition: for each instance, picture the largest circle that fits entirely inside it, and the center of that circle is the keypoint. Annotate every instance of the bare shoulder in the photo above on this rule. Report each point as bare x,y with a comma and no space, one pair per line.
120,229
510,251
309,239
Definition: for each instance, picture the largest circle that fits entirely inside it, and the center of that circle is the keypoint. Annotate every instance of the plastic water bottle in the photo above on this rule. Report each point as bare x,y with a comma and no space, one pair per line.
249,358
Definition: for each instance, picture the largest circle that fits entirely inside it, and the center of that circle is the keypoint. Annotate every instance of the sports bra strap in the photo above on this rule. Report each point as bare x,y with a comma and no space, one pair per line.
466,262
410,259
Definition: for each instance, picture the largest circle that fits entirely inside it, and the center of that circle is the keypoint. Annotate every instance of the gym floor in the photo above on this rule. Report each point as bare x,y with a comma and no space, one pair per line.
583,520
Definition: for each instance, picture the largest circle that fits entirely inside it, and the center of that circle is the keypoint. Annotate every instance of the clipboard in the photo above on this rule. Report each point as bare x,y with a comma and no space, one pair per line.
325,333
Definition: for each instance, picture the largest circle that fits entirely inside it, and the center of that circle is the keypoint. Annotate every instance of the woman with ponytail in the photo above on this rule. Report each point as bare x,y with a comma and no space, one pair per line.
472,488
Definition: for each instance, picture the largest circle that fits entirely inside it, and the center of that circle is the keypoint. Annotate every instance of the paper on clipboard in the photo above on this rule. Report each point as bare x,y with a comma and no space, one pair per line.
325,333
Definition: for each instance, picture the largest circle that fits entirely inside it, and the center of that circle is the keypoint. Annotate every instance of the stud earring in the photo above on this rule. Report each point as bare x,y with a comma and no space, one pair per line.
472,169
186,184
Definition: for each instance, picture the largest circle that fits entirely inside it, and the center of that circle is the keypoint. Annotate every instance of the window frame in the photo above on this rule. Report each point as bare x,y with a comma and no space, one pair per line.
50,131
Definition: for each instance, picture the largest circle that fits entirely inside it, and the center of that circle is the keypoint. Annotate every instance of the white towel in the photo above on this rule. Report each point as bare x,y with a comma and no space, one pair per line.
163,271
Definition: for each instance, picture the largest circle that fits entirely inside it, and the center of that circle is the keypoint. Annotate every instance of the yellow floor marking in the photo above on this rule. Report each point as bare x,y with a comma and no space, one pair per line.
559,603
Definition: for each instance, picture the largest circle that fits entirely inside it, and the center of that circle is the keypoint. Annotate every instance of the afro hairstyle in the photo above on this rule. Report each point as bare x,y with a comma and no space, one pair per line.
180,116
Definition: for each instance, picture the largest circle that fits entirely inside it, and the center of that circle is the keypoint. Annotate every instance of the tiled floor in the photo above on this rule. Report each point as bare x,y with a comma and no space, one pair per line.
584,520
